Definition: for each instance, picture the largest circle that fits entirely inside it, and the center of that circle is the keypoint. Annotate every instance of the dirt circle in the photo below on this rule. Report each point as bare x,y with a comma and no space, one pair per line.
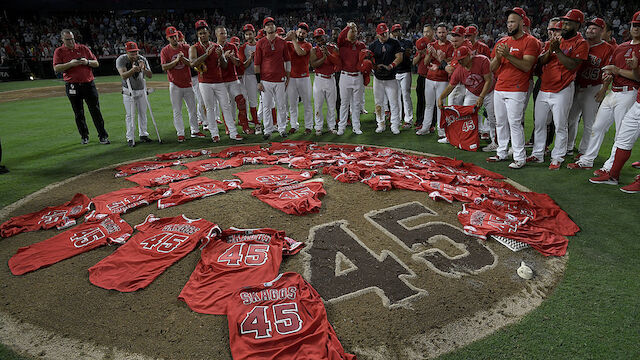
399,278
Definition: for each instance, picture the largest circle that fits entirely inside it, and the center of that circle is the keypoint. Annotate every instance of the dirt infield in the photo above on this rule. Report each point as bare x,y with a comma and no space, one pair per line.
54,91
399,278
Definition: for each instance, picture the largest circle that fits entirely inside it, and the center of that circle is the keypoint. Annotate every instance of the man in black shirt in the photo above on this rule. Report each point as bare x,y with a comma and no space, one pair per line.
403,75
388,55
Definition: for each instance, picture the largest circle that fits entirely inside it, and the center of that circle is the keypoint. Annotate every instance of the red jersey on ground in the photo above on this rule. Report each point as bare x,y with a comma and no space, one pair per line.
161,176
188,190
230,74
295,199
213,73
349,52
447,50
331,64
461,126
272,177
619,58
236,258
480,48
99,231
180,74
282,319
473,79
590,73
181,154
61,216
508,77
123,200
299,63
201,166
556,76
140,166
76,74
271,55
158,244
237,150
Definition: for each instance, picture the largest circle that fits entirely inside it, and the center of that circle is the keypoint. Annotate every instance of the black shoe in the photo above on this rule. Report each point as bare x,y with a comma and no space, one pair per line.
131,143
3,169
266,136
105,141
85,141
283,135
145,139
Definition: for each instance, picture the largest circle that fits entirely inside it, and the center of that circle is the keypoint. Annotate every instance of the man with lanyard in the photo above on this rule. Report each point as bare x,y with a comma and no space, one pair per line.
325,59
418,60
249,82
388,54
272,67
75,61
300,82
403,76
195,86
351,82
133,68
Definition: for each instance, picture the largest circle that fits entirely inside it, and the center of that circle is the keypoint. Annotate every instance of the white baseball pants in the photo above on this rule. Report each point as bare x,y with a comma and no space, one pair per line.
300,87
559,105
388,88
202,117
629,131
585,105
274,92
432,91
404,95
131,104
177,94
324,89
457,95
508,108
216,95
351,88
470,99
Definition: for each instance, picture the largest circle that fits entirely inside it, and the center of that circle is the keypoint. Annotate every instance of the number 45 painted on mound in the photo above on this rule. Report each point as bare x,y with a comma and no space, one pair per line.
340,266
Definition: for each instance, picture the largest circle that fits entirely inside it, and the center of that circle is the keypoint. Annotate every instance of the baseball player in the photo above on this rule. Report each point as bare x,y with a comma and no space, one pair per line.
403,76
388,54
195,86
418,60
480,48
325,59
272,67
589,87
513,58
208,57
456,97
300,82
617,102
477,46
351,82
438,53
606,35
246,52
175,61
132,68
561,59
75,61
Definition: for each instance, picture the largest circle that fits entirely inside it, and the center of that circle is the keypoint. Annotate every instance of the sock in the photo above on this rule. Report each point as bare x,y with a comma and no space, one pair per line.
620,158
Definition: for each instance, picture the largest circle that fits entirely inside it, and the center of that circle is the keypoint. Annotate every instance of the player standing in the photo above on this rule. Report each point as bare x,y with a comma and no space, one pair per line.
75,61
195,86
325,59
246,53
351,83
300,82
403,76
418,60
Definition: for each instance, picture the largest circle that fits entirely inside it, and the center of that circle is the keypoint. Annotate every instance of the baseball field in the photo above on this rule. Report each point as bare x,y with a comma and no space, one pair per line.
592,313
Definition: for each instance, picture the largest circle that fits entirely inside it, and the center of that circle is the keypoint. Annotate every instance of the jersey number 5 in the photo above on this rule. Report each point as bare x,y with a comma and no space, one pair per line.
285,317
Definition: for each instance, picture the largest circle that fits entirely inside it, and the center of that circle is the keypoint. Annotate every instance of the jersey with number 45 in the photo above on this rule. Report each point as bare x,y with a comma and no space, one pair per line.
159,243
281,319
238,257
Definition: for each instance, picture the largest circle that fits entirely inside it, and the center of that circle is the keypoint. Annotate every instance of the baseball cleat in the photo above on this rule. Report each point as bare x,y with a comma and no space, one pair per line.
632,188
555,165
307,131
283,134
443,140
293,130
319,132
145,139
198,134
395,130
357,132
84,141
601,172
340,132
248,131
604,179
517,164
636,165
379,129
423,131
238,137
105,141
180,139
131,143
406,125
495,158
490,148
578,166
215,139
534,159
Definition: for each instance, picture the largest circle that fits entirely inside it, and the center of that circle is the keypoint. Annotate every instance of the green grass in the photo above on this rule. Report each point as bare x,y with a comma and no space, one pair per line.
594,312
18,85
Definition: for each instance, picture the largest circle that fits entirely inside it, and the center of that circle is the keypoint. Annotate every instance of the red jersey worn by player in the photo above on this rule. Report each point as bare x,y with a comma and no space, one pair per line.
123,200
140,166
421,44
590,73
230,74
447,49
282,319
509,77
271,56
180,74
333,62
76,74
188,190
461,126
473,79
181,154
201,166
619,58
212,73
556,76
161,176
480,48
101,230
61,216
232,260
295,199
299,64
349,52
272,177
159,243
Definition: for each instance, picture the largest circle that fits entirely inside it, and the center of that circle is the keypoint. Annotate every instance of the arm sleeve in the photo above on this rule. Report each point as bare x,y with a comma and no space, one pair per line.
342,37
164,57
57,57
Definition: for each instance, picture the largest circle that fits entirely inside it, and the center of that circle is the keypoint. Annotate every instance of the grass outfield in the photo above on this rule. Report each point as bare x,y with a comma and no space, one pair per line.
593,313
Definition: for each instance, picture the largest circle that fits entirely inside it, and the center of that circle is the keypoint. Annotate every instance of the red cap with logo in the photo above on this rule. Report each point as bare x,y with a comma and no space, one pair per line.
381,29
395,27
574,15
201,24
460,53
268,20
131,46
597,22
471,30
557,26
526,21
516,10
636,18
458,30
303,25
171,31
318,32
248,27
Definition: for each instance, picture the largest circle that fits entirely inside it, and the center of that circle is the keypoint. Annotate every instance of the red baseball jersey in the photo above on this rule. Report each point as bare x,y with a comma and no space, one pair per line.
140,166
331,64
271,55
289,147
76,74
480,48
61,216
461,126
299,63
473,79
181,154
509,77
123,200
99,231
238,150
619,58
235,258
590,73
201,166
556,76
349,52
230,74
447,50
159,243
294,199
161,176
281,319
272,177
213,73
188,190
442,191
180,74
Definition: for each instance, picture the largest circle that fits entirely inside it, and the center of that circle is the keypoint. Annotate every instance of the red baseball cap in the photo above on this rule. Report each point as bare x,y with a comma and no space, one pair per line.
234,40
248,27
516,10
381,29
460,53
131,46
280,30
558,26
526,21
636,18
597,22
395,27
303,25
458,30
471,30
318,32
201,24
574,15
171,31
422,43
268,20
180,35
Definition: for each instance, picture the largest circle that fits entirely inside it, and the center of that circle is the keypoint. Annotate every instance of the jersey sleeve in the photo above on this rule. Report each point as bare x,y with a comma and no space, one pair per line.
582,51
57,57
531,48
286,55
164,56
